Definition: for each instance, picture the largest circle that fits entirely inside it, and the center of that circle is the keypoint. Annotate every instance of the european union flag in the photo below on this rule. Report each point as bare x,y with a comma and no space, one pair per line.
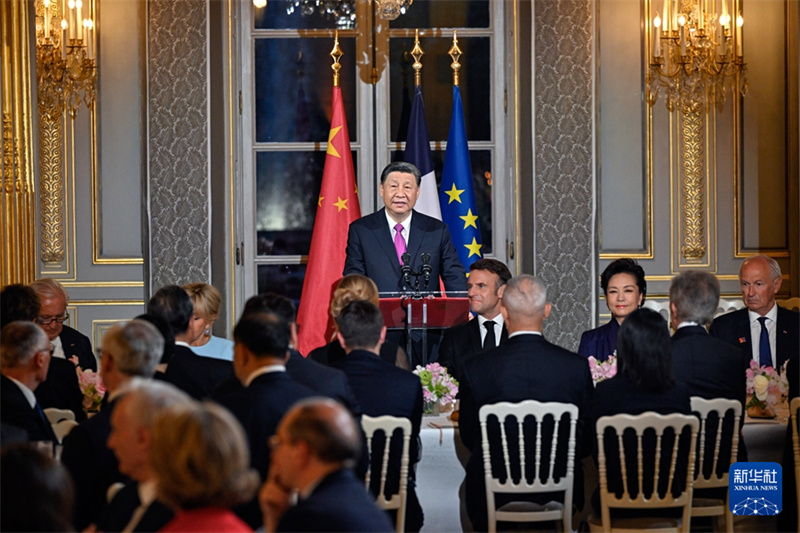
456,194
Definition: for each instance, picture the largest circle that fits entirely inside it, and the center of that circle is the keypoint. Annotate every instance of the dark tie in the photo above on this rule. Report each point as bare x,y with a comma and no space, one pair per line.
489,340
764,351
38,409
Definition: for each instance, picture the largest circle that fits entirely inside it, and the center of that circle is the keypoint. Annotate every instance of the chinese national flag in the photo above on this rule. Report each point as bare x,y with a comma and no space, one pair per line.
336,209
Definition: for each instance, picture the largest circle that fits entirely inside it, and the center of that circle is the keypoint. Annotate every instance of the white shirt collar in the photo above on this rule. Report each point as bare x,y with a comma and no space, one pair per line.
58,348
772,314
266,369
524,333
406,224
687,324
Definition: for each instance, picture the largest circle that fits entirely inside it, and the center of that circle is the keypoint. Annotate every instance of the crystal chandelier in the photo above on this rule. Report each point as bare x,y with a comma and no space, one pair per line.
697,52
66,70
342,11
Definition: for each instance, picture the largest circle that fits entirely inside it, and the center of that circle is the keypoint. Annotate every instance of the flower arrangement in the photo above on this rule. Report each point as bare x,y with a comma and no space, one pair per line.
602,369
765,387
91,386
439,388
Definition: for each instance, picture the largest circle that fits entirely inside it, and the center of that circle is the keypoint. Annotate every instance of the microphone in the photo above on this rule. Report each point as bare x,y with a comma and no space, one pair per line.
426,267
406,268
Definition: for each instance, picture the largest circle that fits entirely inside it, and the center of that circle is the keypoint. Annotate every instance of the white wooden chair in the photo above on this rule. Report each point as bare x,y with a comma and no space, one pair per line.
547,417
55,415
727,306
715,475
793,304
664,428
794,406
62,428
388,425
661,307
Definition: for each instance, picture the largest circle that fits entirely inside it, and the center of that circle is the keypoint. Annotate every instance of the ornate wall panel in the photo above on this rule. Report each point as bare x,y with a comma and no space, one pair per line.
564,163
178,185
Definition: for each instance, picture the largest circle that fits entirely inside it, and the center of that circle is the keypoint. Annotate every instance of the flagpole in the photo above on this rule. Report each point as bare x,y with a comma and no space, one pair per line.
455,55
336,54
417,54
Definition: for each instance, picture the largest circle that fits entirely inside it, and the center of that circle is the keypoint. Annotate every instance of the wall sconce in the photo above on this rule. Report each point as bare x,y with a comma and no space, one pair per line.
66,70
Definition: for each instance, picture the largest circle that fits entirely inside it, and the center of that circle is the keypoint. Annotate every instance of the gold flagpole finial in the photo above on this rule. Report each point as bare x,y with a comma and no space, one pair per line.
336,54
455,54
417,66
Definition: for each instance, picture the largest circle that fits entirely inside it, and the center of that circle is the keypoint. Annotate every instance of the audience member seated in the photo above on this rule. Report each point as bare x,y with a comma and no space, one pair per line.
195,374
381,389
625,288
356,287
35,491
18,302
313,451
526,367
24,360
200,462
206,300
130,350
259,353
169,341
135,507
488,329
644,382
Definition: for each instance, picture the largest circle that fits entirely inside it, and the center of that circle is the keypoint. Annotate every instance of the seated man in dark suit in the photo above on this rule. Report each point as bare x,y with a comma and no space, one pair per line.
131,349
135,507
381,389
710,367
194,374
526,367
488,329
765,331
313,450
24,360
261,343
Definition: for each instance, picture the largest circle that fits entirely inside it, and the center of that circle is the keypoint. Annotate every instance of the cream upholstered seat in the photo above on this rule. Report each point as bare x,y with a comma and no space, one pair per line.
712,446
639,489
553,459
794,406
388,425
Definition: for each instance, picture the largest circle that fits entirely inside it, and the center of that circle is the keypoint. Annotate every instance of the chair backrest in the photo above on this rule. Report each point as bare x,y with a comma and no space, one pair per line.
62,429
388,425
650,459
719,437
794,406
793,304
662,307
55,415
727,306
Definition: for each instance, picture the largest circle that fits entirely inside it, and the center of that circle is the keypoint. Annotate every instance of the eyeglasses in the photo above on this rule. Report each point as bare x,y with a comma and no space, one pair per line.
47,320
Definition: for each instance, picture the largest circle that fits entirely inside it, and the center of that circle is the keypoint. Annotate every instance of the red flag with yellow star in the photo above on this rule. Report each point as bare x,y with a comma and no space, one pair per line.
336,209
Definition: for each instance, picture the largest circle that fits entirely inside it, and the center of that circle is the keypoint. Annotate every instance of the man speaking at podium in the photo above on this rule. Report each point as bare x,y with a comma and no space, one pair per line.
392,244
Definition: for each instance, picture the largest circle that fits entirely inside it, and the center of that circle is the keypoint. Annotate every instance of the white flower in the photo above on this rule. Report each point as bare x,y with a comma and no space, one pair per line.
760,384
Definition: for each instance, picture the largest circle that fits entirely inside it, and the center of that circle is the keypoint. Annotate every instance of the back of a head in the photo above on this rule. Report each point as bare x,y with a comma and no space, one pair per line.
328,429
18,302
361,324
200,457
205,298
19,342
36,492
494,266
353,287
263,334
525,297
173,304
166,333
147,399
643,351
137,346
269,302
695,295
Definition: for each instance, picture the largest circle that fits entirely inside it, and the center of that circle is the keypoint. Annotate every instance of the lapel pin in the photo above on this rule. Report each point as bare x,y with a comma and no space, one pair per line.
742,340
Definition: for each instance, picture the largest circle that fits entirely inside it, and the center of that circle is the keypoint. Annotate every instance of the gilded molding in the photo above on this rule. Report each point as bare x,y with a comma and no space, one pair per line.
51,189
692,190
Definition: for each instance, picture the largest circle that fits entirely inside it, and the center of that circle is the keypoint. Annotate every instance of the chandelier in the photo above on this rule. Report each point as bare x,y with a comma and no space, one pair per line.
697,52
66,70
343,11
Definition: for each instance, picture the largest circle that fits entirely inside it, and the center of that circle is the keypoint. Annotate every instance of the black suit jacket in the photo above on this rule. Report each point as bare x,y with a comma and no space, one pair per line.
121,508
734,328
461,342
384,389
76,343
526,367
322,379
17,412
371,252
196,375
61,388
323,510
92,465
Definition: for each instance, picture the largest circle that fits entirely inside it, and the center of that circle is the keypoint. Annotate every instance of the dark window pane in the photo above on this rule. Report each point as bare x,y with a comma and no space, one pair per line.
444,14
287,189
285,280
437,86
294,88
276,16
481,161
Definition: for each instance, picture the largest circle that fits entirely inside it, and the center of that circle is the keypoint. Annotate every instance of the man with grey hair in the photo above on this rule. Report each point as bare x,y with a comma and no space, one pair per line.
134,507
765,331
526,367
24,360
131,349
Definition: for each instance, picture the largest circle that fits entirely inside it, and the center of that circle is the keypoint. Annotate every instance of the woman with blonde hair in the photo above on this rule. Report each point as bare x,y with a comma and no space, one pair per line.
356,287
206,300
202,468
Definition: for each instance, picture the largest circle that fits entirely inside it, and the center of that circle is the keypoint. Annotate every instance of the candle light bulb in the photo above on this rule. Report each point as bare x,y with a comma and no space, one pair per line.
259,3
63,24
78,4
740,21
681,19
71,4
657,22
